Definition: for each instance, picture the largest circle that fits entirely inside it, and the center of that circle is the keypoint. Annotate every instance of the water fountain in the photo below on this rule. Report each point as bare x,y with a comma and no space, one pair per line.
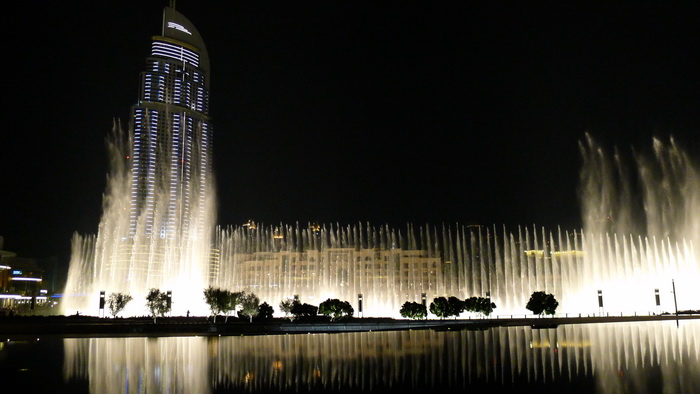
117,260
642,233
621,262
157,228
620,259
158,214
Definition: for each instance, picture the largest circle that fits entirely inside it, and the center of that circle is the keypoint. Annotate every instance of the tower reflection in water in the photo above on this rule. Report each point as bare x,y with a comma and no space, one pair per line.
639,357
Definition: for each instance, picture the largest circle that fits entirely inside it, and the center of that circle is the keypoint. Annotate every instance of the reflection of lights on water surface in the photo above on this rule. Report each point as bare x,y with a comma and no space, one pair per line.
501,356
565,344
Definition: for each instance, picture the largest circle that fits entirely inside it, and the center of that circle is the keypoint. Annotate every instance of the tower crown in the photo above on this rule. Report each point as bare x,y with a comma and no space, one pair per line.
178,28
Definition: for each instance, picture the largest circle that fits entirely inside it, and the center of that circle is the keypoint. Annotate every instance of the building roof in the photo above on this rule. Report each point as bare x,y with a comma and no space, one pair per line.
176,26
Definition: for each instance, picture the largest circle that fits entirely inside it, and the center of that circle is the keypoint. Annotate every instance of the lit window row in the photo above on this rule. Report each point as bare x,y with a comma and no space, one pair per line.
176,52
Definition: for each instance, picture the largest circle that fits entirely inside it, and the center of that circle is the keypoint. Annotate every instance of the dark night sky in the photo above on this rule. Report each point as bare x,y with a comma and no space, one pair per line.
387,112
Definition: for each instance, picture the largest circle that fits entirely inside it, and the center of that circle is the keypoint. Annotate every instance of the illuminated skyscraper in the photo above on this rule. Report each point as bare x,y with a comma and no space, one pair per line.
170,157
159,207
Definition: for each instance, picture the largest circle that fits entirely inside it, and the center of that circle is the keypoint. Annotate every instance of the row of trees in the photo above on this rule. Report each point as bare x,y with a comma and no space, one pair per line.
332,307
158,303
445,307
225,302
539,303
222,301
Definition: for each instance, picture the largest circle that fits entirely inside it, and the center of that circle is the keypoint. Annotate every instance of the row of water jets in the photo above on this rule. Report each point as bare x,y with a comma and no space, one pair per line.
638,241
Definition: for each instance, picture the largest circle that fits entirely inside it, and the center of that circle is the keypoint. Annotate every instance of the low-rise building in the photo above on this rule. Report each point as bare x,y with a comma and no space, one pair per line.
21,283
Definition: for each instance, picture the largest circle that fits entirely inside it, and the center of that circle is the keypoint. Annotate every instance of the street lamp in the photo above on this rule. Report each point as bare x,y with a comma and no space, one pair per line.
102,302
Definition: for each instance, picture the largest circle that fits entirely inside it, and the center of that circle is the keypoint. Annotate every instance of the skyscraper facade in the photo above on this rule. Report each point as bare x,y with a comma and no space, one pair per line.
171,135
159,207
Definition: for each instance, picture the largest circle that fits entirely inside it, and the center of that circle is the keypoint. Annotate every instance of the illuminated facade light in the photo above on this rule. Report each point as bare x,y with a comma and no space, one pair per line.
21,278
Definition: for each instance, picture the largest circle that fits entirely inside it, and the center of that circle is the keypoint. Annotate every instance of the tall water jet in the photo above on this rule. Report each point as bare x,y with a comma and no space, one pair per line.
618,263
641,232
158,210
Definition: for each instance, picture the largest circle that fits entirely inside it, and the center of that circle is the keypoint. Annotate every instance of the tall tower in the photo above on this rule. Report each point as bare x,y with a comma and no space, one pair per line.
171,149
159,211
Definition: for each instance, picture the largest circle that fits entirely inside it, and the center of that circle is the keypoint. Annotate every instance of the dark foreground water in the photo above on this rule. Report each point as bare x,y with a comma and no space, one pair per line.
650,357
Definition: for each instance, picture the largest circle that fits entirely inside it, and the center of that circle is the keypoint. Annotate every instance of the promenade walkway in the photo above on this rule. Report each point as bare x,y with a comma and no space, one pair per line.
88,326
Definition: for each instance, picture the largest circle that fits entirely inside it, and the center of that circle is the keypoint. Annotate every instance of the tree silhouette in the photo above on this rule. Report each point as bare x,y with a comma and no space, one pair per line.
541,302
440,307
413,310
250,304
286,306
335,308
117,302
157,303
265,311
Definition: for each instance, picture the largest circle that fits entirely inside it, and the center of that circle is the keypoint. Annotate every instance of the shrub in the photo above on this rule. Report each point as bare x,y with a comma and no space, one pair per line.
413,310
265,311
481,305
303,310
541,302
440,307
456,306
335,308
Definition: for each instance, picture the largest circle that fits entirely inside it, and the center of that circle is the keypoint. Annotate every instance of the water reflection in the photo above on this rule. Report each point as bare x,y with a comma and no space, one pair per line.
631,357
151,365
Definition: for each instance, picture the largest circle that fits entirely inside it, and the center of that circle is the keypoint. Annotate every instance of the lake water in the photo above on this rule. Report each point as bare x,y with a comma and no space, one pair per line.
651,357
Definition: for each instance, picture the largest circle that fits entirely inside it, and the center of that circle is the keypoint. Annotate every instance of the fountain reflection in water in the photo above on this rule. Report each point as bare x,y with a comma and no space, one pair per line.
627,357
142,365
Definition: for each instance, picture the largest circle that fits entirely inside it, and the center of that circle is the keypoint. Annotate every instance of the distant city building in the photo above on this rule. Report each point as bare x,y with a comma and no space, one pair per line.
171,149
5,273
413,271
21,283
